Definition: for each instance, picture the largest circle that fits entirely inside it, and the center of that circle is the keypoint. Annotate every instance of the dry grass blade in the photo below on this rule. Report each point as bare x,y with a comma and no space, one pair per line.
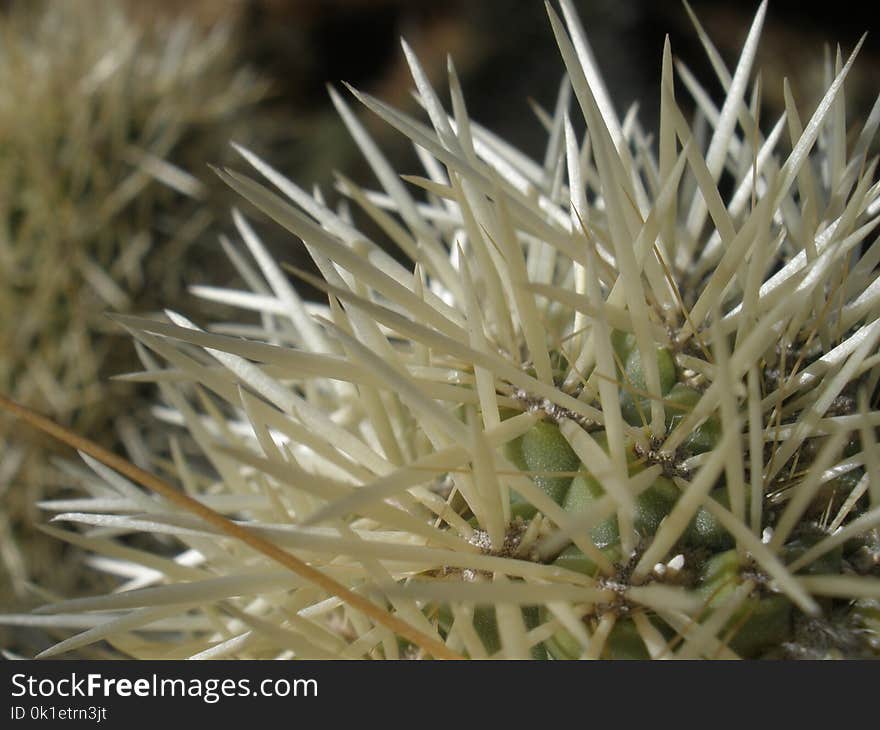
218,521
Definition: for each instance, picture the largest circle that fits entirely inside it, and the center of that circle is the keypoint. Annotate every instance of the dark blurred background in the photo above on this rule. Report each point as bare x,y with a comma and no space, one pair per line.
505,54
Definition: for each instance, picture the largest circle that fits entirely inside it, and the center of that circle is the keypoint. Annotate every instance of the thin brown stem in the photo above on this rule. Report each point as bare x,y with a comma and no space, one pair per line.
238,532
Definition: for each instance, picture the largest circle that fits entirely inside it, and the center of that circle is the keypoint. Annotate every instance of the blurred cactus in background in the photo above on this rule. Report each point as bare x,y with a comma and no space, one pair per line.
106,126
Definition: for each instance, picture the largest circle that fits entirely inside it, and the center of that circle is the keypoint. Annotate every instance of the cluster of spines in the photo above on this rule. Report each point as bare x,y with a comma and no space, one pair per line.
589,422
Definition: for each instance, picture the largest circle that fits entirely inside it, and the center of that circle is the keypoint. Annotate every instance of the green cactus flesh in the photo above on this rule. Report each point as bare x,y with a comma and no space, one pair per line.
766,619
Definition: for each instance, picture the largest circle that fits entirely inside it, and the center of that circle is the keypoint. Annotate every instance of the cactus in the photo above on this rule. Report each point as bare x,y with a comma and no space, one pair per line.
603,412
105,125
